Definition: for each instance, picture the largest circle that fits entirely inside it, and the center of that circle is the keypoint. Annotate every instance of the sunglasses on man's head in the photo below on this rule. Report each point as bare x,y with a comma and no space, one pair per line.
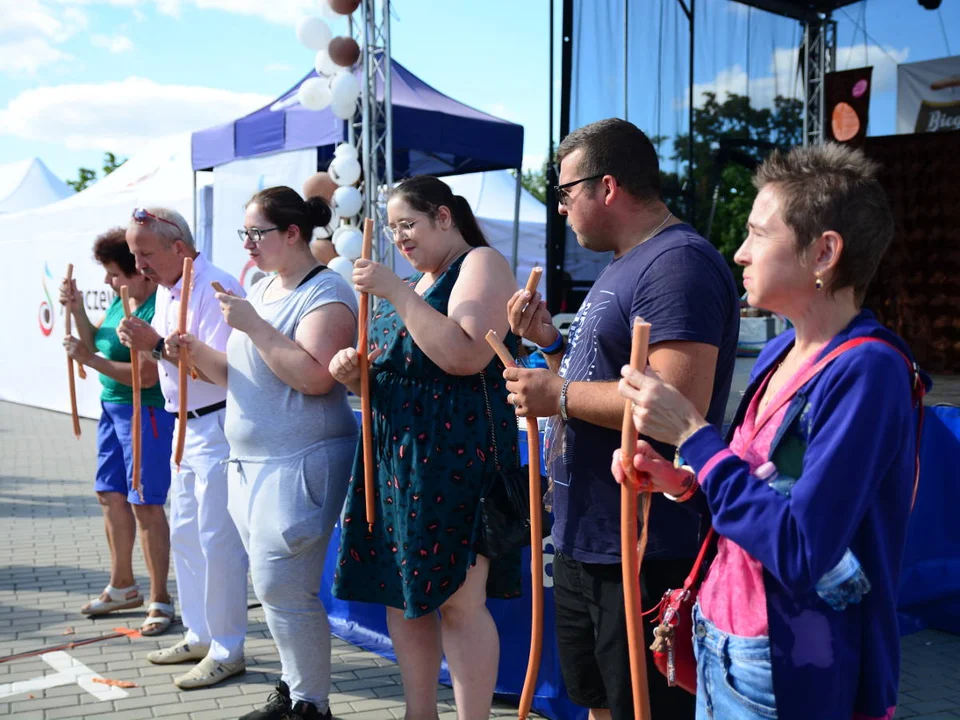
141,216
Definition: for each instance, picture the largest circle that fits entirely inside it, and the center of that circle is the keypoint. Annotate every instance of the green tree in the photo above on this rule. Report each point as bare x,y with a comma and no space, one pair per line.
86,177
729,139
535,181
110,163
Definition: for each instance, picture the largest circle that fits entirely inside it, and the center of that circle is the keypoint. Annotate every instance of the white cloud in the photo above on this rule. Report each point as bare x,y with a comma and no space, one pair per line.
27,56
115,43
783,79
499,110
533,161
120,116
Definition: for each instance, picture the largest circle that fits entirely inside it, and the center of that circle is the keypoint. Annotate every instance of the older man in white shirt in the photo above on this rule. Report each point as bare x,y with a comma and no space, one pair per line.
209,560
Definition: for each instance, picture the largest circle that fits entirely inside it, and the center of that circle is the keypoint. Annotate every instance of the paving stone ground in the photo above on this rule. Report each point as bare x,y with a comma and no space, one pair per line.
53,557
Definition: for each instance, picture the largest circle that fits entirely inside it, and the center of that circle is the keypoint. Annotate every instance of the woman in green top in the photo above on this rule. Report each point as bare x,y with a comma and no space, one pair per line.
99,348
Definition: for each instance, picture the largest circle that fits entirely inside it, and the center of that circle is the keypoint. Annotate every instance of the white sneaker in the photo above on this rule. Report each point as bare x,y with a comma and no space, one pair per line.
181,652
209,672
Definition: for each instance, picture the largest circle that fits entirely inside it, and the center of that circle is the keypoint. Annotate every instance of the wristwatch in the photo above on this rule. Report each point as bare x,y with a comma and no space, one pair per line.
157,351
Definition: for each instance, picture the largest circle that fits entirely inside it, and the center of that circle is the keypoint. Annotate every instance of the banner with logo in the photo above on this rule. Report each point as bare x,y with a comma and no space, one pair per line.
928,96
848,105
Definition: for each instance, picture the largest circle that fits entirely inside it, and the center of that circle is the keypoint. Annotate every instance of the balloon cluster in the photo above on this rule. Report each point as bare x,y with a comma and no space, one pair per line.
335,87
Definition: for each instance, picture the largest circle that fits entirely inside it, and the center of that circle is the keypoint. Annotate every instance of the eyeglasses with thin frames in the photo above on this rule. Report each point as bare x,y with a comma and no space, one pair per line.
401,231
563,197
254,234
141,216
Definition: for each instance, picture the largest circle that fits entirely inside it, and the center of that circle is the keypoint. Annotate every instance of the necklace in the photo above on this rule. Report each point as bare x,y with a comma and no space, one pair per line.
657,228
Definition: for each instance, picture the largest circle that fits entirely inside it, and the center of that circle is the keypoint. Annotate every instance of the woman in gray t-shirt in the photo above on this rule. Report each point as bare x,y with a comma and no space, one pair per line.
291,431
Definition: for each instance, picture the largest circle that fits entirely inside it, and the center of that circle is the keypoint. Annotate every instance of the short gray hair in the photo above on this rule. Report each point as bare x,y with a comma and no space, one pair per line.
165,231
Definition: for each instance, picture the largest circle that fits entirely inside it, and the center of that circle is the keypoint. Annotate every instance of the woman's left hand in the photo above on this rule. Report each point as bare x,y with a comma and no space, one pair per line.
654,473
77,350
376,279
660,410
237,311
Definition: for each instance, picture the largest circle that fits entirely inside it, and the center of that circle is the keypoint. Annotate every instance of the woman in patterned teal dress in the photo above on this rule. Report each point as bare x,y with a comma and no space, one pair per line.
436,447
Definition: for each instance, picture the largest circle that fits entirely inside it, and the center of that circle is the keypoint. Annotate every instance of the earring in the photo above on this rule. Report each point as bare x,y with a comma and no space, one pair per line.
818,283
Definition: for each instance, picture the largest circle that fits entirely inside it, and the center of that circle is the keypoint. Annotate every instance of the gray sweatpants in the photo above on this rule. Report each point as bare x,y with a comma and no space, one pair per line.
285,509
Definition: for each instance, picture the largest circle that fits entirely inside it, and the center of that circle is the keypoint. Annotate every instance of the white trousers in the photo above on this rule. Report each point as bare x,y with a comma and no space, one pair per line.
208,556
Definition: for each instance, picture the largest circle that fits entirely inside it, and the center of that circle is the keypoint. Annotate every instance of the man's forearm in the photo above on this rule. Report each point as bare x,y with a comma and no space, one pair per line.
597,403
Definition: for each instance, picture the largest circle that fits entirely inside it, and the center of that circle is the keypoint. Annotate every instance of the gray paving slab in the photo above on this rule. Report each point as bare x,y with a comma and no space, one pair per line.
53,558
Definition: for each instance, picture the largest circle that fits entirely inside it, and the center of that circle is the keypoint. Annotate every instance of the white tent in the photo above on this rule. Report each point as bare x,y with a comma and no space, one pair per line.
38,244
28,184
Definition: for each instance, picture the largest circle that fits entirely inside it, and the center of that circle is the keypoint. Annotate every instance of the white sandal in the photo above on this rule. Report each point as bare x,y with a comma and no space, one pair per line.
158,625
118,601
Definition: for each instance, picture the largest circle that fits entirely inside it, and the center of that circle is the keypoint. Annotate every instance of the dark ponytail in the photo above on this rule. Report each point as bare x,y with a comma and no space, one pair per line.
284,207
427,194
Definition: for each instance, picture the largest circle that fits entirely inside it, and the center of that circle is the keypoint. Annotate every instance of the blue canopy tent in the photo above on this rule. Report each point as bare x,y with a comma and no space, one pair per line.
432,133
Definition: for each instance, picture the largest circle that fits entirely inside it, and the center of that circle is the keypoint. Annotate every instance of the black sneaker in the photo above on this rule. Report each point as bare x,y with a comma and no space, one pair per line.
278,705
308,711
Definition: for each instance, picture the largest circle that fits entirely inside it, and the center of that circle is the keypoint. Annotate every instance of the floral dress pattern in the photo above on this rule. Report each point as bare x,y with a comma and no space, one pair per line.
434,455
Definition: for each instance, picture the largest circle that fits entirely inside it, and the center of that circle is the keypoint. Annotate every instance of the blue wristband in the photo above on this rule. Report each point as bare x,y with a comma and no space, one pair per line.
553,347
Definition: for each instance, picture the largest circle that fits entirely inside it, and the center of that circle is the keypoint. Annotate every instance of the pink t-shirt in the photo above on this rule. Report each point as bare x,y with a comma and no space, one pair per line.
732,596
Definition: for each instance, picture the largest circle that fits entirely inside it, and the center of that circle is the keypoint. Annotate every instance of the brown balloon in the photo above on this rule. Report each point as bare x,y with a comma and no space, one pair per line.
344,51
319,185
344,7
323,250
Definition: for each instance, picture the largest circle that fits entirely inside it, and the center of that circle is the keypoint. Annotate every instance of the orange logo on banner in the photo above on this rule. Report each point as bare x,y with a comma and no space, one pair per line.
845,123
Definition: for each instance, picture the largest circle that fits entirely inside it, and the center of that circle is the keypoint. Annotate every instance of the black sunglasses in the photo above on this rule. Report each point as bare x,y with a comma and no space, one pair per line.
561,190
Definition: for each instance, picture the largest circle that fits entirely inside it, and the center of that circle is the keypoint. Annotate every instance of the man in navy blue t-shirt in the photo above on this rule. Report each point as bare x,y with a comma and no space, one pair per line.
665,273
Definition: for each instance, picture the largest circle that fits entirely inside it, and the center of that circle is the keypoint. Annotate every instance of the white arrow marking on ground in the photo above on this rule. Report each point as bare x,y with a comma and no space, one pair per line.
69,671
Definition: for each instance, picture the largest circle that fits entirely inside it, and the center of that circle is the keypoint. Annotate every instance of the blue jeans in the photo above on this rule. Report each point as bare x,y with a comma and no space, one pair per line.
734,674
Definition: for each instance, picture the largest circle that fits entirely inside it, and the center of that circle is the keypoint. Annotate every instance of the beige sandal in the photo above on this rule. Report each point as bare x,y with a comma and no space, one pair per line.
158,624
118,601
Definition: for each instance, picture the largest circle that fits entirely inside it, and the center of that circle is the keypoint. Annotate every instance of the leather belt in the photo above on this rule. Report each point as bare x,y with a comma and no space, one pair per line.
192,414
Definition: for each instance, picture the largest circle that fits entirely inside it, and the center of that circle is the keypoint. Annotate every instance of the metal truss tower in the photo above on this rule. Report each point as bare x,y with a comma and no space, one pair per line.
819,57
372,133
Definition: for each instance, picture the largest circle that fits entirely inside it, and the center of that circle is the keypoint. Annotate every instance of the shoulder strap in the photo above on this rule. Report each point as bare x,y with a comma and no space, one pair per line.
917,391
313,273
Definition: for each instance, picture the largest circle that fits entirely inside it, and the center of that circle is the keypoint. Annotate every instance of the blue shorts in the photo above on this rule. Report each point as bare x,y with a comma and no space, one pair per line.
115,453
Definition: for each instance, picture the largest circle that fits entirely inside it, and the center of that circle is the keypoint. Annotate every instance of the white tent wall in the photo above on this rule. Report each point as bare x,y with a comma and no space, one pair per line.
37,246
29,184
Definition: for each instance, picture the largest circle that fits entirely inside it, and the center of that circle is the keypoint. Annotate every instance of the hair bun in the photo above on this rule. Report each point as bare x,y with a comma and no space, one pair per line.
319,211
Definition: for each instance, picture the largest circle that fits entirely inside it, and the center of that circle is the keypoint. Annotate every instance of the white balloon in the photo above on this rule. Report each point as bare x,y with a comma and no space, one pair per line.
344,111
321,232
343,267
347,200
314,33
324,65
349,244
314,94
344,88
344,170
346,150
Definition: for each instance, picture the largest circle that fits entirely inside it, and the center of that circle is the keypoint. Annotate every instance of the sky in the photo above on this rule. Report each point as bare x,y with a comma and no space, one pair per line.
81,77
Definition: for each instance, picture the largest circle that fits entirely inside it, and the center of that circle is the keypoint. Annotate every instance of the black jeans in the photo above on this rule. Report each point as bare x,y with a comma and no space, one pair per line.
592,636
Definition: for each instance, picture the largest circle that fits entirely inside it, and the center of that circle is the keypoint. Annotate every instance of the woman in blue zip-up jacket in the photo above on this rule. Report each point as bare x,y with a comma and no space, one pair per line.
811,492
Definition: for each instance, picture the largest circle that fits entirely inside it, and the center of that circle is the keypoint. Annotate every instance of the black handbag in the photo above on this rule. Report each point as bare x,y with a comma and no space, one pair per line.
505,503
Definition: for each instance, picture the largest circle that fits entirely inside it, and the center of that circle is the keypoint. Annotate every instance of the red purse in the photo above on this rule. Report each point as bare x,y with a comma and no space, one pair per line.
673,637
673,658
